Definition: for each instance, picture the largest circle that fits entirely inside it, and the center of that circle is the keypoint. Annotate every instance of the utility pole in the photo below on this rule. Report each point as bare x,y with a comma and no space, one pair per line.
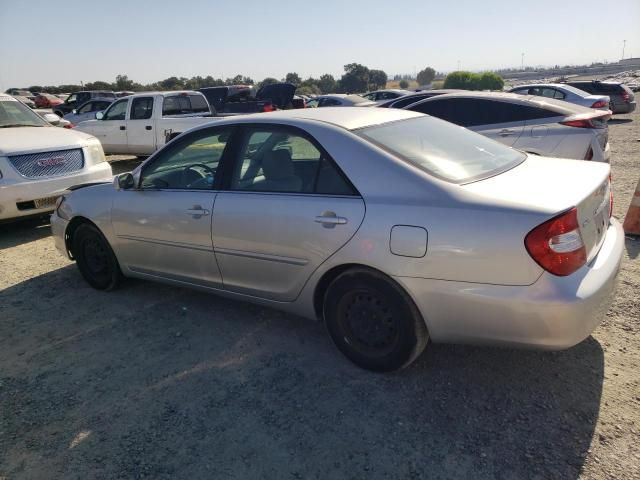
458,65
624,44
522,61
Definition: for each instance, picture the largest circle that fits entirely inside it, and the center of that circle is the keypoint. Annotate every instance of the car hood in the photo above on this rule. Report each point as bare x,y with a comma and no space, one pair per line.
39,139
280,94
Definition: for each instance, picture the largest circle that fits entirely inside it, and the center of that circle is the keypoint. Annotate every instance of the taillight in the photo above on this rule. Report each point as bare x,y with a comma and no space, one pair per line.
600,104
70,125
625,96
268,107
556,245
584,123
589,154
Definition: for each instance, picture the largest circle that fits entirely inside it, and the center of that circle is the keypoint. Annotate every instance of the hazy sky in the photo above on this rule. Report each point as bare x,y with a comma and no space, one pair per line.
50,43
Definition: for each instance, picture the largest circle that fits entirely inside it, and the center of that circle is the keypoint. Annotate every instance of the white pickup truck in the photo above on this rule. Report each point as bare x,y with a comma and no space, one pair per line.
142,123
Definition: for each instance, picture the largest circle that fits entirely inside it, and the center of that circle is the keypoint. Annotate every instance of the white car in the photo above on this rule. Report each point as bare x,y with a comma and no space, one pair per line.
561,91
140,124
542,126
381,96
340,100
39,162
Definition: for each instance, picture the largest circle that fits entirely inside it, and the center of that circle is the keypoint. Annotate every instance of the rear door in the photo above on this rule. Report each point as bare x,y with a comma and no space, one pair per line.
287,209
140,127
164,226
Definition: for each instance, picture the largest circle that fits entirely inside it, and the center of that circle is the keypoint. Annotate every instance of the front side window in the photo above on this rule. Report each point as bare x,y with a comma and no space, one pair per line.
141,108
117,111
72,98
189,164
86,108
279,160
443,149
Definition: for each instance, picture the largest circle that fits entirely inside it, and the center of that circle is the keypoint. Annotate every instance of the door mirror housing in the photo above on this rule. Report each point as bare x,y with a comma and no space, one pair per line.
99,115
52,118
74,111
124,181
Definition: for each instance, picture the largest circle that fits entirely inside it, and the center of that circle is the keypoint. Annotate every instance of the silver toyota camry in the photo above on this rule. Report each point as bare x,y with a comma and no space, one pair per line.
391,226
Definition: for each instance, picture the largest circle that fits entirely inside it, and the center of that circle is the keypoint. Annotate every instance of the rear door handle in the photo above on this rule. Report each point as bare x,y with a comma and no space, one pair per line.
330,220
197,211
122,127
505,132
148,127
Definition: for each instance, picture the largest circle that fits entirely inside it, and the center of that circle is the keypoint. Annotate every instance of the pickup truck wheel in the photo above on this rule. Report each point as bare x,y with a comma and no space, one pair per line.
95,259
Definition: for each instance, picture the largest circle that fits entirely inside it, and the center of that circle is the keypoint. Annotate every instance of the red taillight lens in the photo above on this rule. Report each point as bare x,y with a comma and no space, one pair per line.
71,125
585,123
557,244
625,96
268,107
600,104
589,154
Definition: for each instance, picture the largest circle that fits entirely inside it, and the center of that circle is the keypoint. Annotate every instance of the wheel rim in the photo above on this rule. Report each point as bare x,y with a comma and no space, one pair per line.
367,323
95,256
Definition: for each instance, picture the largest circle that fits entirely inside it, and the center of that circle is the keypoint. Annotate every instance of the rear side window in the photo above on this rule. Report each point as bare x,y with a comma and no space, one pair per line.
141,108
443,150
184,105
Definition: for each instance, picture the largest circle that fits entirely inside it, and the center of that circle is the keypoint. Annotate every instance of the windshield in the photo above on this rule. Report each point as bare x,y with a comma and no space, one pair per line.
15,114
443,149
357,99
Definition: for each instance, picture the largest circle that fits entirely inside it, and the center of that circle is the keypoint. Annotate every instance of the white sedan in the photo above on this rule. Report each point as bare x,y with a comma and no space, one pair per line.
561,91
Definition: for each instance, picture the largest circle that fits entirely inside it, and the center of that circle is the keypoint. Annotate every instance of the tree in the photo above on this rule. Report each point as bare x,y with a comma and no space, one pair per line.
490,81
293,78
123,83
404,84
355,78
326,83
98,85
377,79
171,83
269,81
461,80
426,76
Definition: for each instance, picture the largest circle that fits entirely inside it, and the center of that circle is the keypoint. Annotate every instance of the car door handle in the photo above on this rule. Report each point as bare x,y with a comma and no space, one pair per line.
122,127
148,127
330,220
197,211
505,132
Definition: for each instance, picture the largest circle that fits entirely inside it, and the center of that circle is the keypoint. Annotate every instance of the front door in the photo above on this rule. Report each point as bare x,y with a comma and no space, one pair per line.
111,129
288,209
163,228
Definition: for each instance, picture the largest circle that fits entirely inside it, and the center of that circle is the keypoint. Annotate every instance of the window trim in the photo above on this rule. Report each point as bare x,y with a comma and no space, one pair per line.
133,100
123,100
178,143
235,153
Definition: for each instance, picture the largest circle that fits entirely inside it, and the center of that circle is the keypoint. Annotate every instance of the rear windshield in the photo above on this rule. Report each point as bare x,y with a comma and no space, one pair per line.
442,149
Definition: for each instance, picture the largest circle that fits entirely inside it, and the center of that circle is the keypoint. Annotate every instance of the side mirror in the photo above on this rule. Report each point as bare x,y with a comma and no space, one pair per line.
74,111
124,181
52,118
99,115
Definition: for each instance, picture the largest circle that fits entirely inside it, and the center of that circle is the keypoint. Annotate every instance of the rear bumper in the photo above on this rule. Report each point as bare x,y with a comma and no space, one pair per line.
624,107
21,192
552,313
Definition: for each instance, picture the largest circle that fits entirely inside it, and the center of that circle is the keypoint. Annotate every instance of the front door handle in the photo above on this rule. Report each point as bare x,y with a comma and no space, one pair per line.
330,219
122,127
148,127
197,211
506,132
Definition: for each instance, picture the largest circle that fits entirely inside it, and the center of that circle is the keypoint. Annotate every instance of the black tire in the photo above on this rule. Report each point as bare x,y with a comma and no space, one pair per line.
373,321
95,259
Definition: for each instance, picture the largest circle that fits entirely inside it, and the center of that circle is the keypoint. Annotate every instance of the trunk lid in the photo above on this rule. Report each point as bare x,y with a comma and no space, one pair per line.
279,94
551,186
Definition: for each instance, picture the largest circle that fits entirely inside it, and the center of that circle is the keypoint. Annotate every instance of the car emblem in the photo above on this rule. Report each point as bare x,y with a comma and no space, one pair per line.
585,223
51,162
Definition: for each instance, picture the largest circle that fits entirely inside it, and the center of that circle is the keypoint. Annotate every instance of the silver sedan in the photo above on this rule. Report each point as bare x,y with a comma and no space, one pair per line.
390,226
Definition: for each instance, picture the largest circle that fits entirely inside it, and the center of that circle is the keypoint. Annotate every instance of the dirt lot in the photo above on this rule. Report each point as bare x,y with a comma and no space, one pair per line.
160,382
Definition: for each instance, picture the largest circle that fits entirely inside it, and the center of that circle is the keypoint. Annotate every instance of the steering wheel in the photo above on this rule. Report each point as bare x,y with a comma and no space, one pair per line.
190,168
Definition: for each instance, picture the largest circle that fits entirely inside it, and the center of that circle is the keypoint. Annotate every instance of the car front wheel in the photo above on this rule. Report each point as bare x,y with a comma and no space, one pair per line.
96,261
373,321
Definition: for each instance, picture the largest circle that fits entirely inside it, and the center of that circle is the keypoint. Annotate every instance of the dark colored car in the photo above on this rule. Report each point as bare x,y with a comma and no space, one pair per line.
406,100
238,99
74,100
621,97
46,100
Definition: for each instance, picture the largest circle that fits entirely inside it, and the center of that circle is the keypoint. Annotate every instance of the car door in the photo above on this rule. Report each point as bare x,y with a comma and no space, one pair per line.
111,129
140,127
287,209
163,226
494,119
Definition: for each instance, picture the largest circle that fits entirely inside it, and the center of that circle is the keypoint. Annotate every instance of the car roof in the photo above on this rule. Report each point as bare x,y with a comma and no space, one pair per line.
394,90
349,118
164,94
6,96
531,100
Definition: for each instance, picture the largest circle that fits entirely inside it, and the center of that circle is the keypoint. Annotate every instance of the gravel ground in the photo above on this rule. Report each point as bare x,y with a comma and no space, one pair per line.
160,382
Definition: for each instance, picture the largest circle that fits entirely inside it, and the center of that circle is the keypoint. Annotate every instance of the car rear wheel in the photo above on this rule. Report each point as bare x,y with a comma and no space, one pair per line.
372,321
95,259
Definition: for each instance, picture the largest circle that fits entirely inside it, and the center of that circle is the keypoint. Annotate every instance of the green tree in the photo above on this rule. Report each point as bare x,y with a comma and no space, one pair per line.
171,83
123,83
377,79
426,76
490,81
404,84
98,85
269,81
293,78
460,79
355,78
326,83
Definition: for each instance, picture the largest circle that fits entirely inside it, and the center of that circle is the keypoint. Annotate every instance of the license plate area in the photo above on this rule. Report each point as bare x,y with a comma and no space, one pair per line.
46,202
